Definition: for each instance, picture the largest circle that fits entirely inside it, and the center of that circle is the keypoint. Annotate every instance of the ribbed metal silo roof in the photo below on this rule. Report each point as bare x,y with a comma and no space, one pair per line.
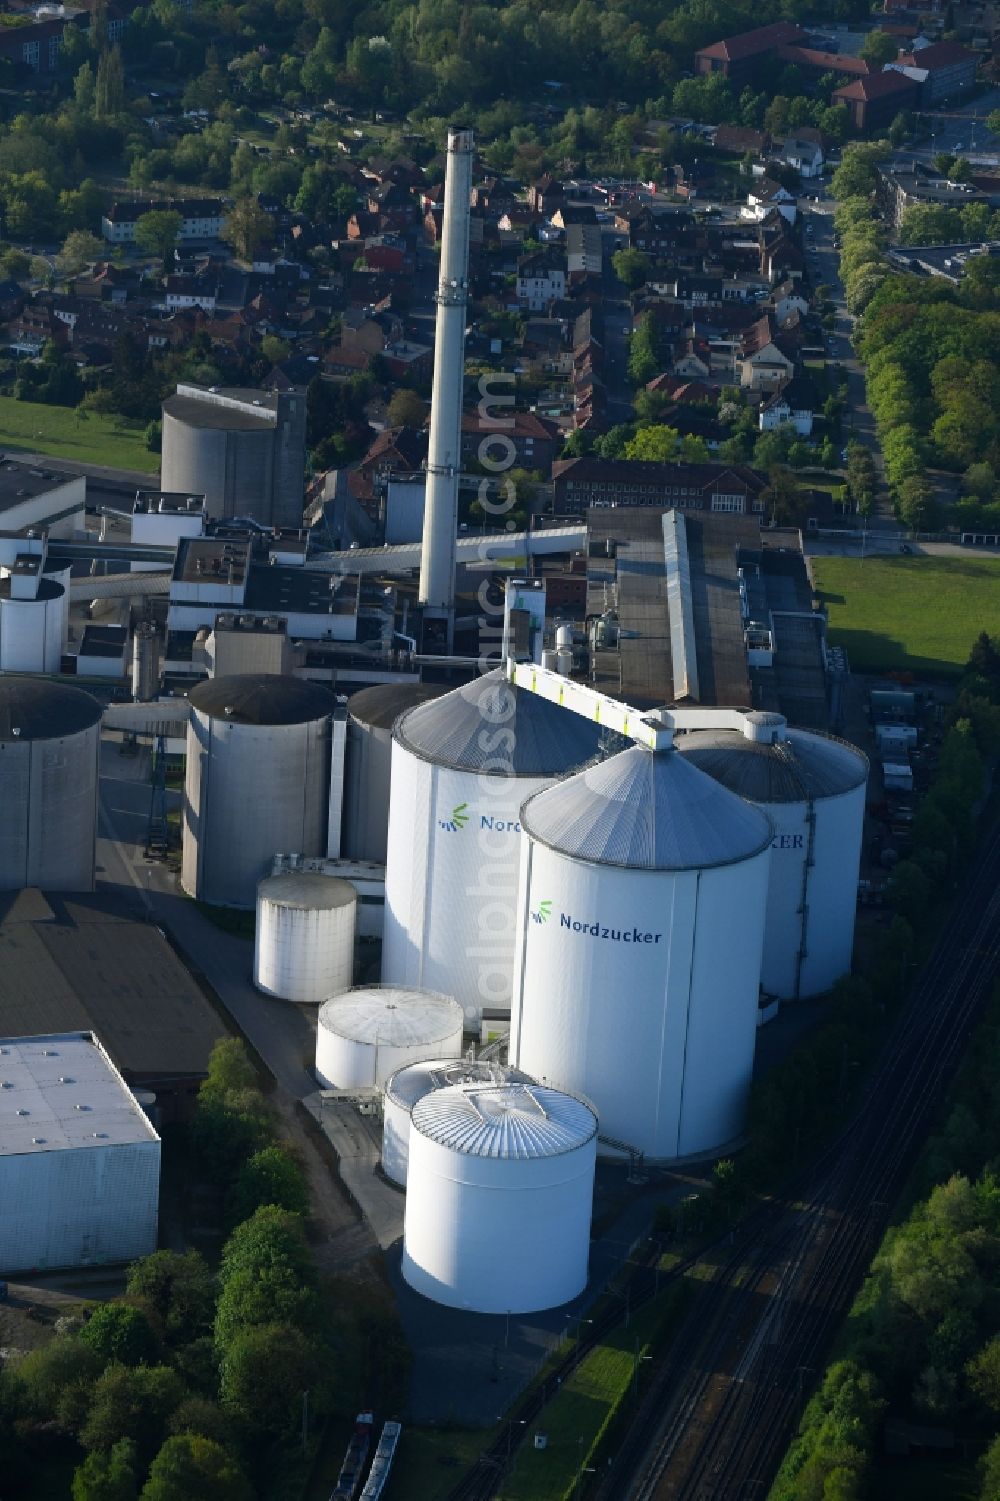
391,1015
490,726
307,890
410,1083
646,810
802,765
34,710
381,706
262,698
508,1121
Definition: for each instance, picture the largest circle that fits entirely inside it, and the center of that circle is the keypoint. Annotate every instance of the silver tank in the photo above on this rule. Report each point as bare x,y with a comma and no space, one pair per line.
258,780
371,715
50,742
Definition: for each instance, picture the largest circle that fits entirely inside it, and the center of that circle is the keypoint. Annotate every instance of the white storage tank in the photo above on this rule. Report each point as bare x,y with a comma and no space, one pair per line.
407,1087
365,1034
813,789
50,746
371,715
461,768
31,630
304,944
641,925
257,781
499,1197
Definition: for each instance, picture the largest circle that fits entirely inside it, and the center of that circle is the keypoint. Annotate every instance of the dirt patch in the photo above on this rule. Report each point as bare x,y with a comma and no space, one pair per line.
340,1239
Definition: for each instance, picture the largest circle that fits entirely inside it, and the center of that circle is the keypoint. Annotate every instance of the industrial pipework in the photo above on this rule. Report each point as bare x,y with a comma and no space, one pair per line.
437,559
652,728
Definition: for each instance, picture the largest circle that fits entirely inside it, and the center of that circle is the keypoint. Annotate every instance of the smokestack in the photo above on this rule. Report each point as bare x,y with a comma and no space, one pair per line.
437,556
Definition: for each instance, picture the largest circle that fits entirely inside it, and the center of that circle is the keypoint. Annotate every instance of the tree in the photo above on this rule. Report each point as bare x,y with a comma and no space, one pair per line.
916,504
107,1476
247,227
631,267
656,444
157,233
176,1290
229,1069
274,349
785,502
270,1176
694,450
407,409
133,1403
79,249
109,86
878,48
83,89
262,1377
190,1466
57,1381
116,1331
270,1237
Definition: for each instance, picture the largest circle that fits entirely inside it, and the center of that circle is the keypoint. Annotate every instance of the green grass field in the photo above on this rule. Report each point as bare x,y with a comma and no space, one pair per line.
916,614
62,433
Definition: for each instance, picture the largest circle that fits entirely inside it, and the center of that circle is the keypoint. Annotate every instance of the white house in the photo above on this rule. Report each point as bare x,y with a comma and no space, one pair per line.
805,156
792,403
541,278
767,195
789,300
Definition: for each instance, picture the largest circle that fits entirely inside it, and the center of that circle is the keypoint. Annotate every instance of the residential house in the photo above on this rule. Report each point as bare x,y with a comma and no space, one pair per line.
740,140
528,441
788,300
406,360
794,403
396,450
765,195
541,278
191,291
546,195
874,102
579,484
584,250
33,326
694,359
744,58
574,214
371,334
806,157
201,218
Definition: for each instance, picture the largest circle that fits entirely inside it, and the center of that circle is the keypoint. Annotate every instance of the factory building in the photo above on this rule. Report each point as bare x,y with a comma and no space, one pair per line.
49,748
79,1160
161,519
640,932
244,450
462,766
257,782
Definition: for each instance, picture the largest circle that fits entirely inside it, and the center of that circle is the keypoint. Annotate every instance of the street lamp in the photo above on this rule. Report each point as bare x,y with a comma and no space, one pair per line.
636,1362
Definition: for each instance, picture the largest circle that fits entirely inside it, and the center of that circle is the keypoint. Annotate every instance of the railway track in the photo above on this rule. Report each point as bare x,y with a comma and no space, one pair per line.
724,1399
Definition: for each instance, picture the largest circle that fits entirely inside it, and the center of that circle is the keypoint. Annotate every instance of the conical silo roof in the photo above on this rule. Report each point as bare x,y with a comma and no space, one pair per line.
646,810
797,767
488,725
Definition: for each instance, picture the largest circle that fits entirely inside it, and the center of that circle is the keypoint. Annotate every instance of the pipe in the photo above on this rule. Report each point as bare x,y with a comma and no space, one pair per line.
437,561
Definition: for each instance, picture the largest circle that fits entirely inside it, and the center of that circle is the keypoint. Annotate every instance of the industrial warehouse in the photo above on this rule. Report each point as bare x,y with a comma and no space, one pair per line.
507,856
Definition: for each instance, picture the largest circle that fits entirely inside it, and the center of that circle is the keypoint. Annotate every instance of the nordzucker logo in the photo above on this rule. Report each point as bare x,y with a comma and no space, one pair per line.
544,912
594,929
459,818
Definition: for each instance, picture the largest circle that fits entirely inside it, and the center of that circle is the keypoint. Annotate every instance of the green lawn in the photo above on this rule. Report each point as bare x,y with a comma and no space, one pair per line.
62,433
916,614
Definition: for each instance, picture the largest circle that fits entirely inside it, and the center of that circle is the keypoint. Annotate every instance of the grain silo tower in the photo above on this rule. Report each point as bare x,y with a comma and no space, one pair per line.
366,1034
641,925
371,714
461,767
407,1087
258,782
50,745
499,1195
304,942
813,789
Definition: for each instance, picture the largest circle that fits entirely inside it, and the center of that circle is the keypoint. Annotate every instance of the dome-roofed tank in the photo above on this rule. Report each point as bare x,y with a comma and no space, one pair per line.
642,894
50,744
258,781
461,767
371,714
813,789
408,1085
366,1034
499,1196
304,944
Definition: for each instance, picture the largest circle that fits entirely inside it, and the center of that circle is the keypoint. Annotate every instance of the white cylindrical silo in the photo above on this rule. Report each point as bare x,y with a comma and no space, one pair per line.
813,789
304,945
365,1034
407,1087
499,1196
371,715
31,630
461,768
257,781
641,924
50,746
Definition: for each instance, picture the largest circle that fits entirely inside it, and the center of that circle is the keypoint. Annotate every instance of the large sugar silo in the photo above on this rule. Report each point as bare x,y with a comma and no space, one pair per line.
461,768
50,745
499,1195
641,925
813,789
257,782
371,714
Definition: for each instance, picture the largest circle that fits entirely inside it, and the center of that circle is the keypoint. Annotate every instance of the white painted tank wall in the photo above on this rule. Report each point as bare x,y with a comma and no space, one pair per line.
250,791
497,1233
407,1086
451,880
48,793
657,1028
363,1056
303,952
31,632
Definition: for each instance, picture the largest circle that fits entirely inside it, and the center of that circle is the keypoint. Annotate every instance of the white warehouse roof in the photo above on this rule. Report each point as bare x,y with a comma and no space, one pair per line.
510,1120
62,1091
646,810
391,1016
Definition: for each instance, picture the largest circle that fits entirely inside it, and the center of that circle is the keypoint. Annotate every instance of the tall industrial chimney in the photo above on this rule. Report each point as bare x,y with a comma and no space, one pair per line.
437,556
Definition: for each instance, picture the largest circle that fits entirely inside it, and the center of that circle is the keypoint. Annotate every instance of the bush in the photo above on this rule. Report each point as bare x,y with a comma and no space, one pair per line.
118,1332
